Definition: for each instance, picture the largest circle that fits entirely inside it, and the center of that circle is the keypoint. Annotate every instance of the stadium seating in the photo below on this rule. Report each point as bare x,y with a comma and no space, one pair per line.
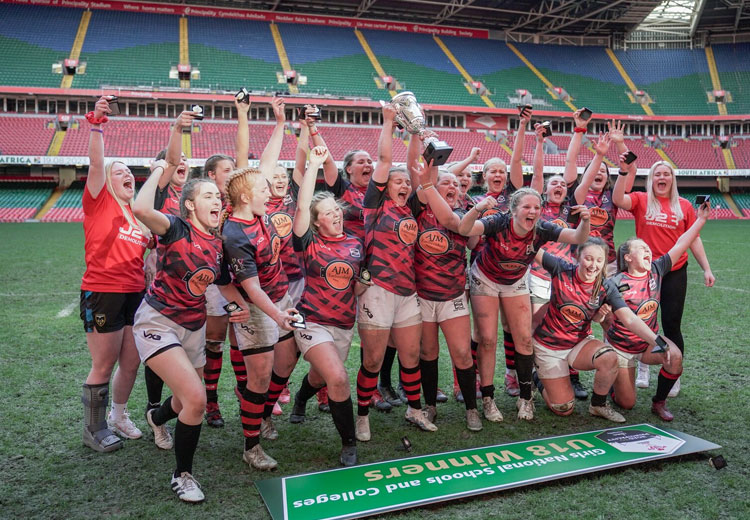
741,153
31,40
219,138
123,138
21,200
129,49
719,207
734,71
695,153
743,202
25,135
68,207
233,53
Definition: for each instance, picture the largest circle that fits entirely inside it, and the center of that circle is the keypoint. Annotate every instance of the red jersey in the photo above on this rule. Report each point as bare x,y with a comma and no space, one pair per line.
113,248
661,231
353,198
642,294
281,211
440,258
505,257
332,266
572,305
252,248
603,217
168,200
503,206
557,214
188,262
390,235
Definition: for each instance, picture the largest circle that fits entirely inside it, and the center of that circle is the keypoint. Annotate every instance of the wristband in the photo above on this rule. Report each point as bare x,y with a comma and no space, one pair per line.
620,172
426,186
91,118
660,344
314,133
578,130
97,130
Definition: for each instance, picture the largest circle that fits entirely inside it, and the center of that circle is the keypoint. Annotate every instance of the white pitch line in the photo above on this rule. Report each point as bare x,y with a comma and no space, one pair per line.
67,310
721,287
37,295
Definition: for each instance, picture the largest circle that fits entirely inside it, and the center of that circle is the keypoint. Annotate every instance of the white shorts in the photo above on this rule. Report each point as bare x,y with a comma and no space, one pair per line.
315,334
215,301
539,288
627,359
260,330
438,312
381,309
153,332
295,290
552,364
483,286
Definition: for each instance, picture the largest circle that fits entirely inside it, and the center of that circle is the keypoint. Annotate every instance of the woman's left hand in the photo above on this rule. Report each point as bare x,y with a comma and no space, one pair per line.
708,278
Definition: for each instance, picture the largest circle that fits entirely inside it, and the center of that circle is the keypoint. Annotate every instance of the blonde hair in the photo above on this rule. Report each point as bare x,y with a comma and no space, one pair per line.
134,222
653,206
315,202
488,164
242,181
596,242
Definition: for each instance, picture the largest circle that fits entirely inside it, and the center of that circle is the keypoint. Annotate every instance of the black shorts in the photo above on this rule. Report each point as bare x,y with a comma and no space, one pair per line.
108,312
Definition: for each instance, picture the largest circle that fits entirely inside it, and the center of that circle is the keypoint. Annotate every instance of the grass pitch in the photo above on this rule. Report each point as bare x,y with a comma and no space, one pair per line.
46,472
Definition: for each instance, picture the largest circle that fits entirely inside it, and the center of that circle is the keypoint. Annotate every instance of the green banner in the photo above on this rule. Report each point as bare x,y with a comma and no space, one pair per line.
398,484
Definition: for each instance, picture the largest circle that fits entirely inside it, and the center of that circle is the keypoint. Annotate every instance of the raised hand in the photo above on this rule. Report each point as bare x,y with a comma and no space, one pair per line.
102,107
486,204
616,131
601,147
579,121
318,155
278,105
539,131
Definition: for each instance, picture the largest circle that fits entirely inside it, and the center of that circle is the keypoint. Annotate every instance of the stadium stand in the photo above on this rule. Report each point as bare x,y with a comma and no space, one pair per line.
743,202
124,138
719,207
24,135
129,49
68,207
741,153
694,153
21,200
31,40
734,71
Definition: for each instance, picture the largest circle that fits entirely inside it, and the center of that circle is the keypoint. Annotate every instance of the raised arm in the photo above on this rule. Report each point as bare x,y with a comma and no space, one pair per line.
537,180
471,159
97,179
300,155
270,156
623,184
306,190
469,227
687,239
242,140
600,148
385,145
143,207
330,171
581,233
574,148
174,147
638,327
516,159
616,131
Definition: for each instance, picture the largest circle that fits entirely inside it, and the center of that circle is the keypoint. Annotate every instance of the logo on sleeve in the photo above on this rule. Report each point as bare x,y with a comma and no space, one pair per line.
338,275
197,281
406,228
434,242
283,224
573,313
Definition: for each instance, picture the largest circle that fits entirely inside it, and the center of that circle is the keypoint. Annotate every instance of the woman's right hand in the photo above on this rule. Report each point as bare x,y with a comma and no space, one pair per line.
318,155
704,210
102,107
185,119
284,319
578,120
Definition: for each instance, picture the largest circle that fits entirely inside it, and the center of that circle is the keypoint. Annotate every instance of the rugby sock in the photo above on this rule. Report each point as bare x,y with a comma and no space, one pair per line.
474,348
211,374
467,383
343,419
429,370
251,415
411,381
487,391
118,409
306,391
164,413
664,384
510,351
238,365
524,368
573,374
274,391
366,384
598,399
387,367
154,387
185,443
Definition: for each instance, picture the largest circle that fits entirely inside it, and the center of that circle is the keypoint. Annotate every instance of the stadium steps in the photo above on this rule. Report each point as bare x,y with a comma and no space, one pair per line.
187,144
68,207
536,72
56,144
20,202
743,203
732,205
665,157
626,77
184,49
715,81
460,68
371,56
728,158
75,52
283,58
51,201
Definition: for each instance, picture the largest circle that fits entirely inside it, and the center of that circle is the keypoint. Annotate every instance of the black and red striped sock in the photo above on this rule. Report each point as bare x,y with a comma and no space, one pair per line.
411,379
366,383
474,348
251,415
238,365
510,351
274,391
211,374
664,384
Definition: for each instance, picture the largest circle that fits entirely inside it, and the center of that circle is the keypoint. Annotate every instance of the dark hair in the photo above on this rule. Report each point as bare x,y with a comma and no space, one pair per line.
161,155
608,182
623,250
213,161
349,158
596,241
189,192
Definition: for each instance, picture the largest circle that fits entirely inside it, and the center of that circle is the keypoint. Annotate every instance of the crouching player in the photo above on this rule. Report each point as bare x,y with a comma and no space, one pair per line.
169,329
639,283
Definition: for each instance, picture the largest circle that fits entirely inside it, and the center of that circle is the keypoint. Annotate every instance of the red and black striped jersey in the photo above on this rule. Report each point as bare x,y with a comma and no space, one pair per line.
468,202
440,258
252,248
603,217
281,212
332,266
505,257
572,305
503,206
188,262
557,214
642,295
390,235
168,200
353,199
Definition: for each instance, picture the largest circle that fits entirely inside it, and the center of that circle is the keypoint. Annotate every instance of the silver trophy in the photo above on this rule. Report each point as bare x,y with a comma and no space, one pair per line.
410,117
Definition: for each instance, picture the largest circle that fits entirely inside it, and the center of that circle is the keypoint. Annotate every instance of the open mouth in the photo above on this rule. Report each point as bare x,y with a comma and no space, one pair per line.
557,193
128,185
662,185
402,196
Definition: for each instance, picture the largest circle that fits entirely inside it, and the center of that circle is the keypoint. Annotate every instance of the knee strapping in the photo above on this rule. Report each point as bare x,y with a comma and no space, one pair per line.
602,350
214,346
563,408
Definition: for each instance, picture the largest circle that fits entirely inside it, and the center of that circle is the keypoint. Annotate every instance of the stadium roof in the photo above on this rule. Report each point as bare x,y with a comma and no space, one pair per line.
545,17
